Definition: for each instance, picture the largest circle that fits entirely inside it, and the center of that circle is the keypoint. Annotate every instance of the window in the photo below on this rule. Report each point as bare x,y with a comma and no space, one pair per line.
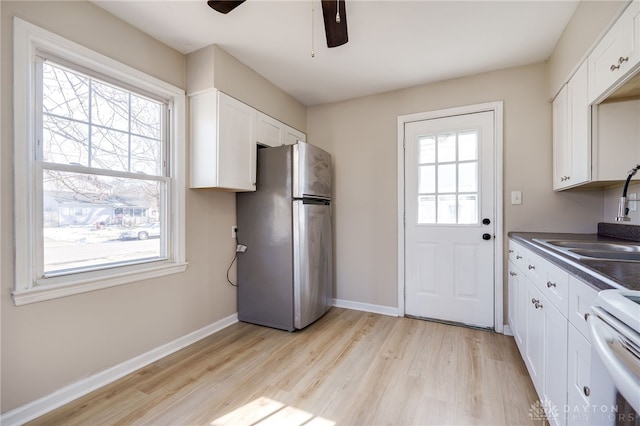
98,148
448,178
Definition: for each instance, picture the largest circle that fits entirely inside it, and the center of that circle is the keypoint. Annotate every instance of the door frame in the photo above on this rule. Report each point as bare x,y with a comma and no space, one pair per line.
498,252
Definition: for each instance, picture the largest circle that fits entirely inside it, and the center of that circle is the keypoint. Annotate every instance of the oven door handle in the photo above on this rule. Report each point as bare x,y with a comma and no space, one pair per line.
625,380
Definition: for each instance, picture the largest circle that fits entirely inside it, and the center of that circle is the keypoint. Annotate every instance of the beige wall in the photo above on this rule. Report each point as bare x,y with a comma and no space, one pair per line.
48,345
362,136
590,20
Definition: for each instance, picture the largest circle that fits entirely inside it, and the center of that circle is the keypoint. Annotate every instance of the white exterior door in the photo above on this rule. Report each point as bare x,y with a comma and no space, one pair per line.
449,224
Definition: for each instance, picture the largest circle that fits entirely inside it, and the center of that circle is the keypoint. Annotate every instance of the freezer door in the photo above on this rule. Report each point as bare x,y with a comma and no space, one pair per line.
311,171
312,261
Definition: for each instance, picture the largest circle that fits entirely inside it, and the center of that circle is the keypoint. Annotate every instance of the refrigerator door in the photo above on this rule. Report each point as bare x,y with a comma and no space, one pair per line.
311,171
312,261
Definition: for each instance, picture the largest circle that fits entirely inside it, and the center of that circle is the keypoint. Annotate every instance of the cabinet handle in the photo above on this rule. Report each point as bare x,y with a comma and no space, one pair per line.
586,316
614,67
518,256
513,274
538,305
622,60
534,301
531,267
563,178
586,391
510,251
550,284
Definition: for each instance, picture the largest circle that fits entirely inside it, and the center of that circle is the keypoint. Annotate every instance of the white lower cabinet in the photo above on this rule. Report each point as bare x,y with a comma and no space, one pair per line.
547,314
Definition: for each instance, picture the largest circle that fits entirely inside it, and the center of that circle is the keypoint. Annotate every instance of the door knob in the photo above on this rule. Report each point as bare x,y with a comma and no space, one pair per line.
486,236
486,221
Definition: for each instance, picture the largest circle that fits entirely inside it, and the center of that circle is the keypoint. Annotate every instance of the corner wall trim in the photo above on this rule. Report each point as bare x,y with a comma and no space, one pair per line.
39,407
366,307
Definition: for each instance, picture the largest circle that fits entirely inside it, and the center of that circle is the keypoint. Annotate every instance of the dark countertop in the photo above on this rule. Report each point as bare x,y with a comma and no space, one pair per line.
591,271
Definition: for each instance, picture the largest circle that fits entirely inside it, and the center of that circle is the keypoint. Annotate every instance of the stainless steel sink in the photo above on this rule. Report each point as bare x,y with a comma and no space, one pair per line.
621,251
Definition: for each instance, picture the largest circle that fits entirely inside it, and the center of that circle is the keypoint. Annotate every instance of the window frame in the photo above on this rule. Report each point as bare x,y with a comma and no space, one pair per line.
28,41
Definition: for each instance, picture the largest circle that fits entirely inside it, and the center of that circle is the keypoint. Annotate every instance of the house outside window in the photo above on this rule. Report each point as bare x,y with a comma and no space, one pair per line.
98,148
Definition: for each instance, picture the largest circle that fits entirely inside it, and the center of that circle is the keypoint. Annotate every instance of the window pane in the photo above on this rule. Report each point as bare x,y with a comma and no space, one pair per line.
427,209
64,141
65,93
146,117
446,147
427,182
110,106
468,208
468,177
109,150
468,146
146,156
91,221
447,178
427,149
446,209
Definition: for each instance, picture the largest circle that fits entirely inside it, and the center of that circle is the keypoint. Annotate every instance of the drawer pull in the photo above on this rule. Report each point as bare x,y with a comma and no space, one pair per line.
586,391
518,256
531,267
538,305
534,301
586,316
510,251
550,284
614,67
513,274
622,60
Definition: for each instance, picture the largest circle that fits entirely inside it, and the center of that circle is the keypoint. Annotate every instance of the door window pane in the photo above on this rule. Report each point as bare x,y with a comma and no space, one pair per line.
446,147
427,183
447,209
447,178
468,177
427,150
468,208
426,209
468,145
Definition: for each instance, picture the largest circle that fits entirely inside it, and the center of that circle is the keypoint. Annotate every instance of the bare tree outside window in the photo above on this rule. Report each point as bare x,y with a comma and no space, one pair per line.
102,153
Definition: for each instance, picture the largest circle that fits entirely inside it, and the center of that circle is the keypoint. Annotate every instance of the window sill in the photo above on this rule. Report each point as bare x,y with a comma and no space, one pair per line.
82,283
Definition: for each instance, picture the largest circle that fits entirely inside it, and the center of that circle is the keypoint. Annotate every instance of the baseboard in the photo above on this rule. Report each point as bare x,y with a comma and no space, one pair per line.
41,406
366,307
507,330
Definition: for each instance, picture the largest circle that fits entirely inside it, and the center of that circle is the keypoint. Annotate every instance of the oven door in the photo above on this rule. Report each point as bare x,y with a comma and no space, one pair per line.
616,350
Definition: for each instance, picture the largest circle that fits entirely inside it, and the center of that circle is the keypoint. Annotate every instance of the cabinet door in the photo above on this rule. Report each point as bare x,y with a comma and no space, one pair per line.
292,136
534,337
579,128
236,144
615,54
554,341
578,378
269,131
561,144
516,293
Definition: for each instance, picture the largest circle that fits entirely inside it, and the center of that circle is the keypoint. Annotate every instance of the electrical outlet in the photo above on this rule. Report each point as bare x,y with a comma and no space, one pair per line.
234,231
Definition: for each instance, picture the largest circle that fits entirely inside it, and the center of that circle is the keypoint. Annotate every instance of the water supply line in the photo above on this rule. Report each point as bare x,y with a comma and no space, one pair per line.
623,208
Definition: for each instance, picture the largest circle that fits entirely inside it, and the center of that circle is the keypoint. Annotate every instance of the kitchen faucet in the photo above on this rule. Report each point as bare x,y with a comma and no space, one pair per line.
623,209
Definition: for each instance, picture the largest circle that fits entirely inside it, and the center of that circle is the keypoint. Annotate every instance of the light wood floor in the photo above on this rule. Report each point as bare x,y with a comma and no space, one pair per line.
349,368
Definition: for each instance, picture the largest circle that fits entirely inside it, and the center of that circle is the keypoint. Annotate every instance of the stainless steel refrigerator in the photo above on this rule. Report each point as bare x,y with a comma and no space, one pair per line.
285,277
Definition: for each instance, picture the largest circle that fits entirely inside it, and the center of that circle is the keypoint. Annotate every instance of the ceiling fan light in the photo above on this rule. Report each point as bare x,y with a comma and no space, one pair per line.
224,6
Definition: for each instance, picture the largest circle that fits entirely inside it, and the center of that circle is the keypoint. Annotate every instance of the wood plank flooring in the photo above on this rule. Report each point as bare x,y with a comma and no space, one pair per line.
349,368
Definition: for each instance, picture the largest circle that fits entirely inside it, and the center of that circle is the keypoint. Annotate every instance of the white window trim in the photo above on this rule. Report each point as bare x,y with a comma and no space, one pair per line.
28,39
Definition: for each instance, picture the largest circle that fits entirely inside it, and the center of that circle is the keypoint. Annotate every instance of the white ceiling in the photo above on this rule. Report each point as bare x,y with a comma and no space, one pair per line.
392,44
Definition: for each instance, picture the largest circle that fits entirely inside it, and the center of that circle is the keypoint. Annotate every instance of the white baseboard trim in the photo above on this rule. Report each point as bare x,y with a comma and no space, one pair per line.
366,307
39,407
507,330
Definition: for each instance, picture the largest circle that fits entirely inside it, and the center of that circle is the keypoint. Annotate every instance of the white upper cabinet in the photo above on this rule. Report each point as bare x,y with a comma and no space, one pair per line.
271,132
617,53
223,142
571,133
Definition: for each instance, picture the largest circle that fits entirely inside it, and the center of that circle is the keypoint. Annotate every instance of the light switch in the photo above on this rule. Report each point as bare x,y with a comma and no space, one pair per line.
633,205
516,198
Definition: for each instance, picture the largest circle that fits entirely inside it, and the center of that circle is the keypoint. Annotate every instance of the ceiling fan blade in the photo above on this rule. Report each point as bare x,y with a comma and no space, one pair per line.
336,31
224,6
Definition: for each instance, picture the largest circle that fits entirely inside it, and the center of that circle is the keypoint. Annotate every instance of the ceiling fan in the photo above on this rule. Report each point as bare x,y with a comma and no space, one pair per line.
333,11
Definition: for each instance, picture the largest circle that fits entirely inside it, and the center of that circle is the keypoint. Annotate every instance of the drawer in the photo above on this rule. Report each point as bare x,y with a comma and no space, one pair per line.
581,297
534,266
517,254
553,282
